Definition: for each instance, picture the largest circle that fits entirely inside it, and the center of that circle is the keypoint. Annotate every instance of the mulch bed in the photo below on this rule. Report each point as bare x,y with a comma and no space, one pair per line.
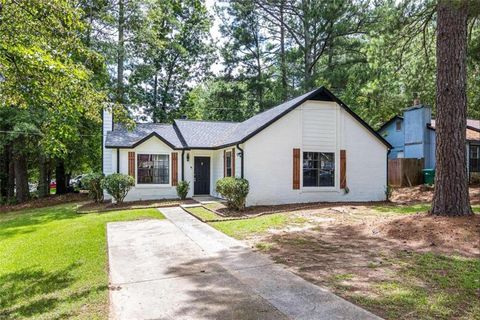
92,207
45,202
256,211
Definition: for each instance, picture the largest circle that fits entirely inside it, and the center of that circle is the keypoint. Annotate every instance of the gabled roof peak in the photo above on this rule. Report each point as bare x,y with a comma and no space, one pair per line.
207,134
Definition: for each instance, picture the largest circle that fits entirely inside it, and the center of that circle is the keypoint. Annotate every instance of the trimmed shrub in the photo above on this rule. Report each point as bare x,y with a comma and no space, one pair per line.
235,190
118,185
93,183
182,189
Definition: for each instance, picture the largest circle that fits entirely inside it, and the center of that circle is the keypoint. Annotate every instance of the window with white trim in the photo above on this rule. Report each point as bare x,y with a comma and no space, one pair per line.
153,169
318,169
228,164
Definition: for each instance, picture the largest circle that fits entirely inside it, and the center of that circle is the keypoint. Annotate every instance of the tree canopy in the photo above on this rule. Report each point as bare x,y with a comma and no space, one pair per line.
63,61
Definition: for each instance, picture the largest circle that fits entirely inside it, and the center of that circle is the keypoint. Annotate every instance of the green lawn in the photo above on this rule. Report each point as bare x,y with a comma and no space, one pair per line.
426,286
241,229
204,214
53,262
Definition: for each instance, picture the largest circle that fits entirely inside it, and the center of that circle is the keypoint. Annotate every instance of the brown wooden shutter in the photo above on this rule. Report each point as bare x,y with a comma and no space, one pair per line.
131,164
233,162
296,168
343,169
224,163
174,168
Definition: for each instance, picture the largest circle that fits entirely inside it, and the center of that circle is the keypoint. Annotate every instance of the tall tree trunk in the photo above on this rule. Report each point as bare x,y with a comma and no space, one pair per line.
260,87
121,50
155,90
451,185
21,178
43,183
68,176
60,177
11,177
283,63
4,165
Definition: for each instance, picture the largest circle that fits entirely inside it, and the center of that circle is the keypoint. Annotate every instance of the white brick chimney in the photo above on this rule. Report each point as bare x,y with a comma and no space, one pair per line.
107,119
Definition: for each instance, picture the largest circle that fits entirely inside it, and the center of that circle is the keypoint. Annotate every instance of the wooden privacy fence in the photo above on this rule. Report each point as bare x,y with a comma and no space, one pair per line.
405,172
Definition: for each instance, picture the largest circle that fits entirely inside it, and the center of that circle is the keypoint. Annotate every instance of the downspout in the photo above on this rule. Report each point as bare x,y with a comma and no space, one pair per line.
118,160
183,173
387,186
241,162
103,141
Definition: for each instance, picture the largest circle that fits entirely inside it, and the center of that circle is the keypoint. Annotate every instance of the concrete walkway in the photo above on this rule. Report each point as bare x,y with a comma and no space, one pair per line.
181,268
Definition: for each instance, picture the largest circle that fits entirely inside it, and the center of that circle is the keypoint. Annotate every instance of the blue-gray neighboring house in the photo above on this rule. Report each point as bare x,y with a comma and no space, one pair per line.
412,135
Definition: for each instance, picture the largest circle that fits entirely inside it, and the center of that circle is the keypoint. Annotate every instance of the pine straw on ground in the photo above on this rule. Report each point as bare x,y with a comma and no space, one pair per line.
422,193
427,233
221,208
141,204
362,255
45,202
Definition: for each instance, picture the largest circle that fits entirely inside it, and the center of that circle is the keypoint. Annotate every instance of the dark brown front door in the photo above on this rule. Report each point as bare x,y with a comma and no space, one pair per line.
201,184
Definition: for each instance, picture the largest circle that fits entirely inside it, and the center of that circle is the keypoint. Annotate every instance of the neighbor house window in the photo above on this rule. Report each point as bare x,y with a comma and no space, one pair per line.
318,169
153,168
398,125
474,158
228,164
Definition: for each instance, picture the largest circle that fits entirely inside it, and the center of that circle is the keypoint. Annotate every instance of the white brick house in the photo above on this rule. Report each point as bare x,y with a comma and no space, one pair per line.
311,148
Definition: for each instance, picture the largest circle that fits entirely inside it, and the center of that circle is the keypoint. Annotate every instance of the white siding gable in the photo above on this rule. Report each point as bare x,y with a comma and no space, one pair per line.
319,125
316,126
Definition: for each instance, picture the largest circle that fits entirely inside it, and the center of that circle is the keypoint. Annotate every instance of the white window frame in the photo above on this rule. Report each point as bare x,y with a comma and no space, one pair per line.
228,154
153,185
335,176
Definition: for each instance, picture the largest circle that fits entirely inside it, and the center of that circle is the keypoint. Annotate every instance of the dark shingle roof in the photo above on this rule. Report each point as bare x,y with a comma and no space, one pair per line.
204,134
251,125
123,138
472,130
210,134
472,123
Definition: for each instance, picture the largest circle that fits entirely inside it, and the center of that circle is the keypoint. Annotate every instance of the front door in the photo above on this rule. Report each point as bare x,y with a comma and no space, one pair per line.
201,184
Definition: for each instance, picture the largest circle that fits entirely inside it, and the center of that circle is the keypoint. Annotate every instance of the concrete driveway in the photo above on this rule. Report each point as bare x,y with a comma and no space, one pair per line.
181,268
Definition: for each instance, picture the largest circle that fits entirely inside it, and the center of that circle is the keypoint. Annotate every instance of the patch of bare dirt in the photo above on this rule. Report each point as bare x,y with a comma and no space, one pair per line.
460,235
109,206
46,202
422,193
363,245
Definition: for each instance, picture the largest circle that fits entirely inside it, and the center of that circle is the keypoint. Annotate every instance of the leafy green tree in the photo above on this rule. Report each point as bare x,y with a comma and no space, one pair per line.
46,73
218,99
172,51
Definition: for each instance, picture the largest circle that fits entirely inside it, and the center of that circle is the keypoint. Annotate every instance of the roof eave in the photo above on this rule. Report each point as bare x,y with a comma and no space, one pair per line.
258,130
150,135
389,122
357,117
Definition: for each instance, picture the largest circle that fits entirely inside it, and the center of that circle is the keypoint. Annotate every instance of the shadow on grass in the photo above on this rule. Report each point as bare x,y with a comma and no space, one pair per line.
34,292
15,223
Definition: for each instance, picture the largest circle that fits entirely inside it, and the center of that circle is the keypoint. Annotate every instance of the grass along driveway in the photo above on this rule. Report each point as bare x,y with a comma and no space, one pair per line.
53,262
388,259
